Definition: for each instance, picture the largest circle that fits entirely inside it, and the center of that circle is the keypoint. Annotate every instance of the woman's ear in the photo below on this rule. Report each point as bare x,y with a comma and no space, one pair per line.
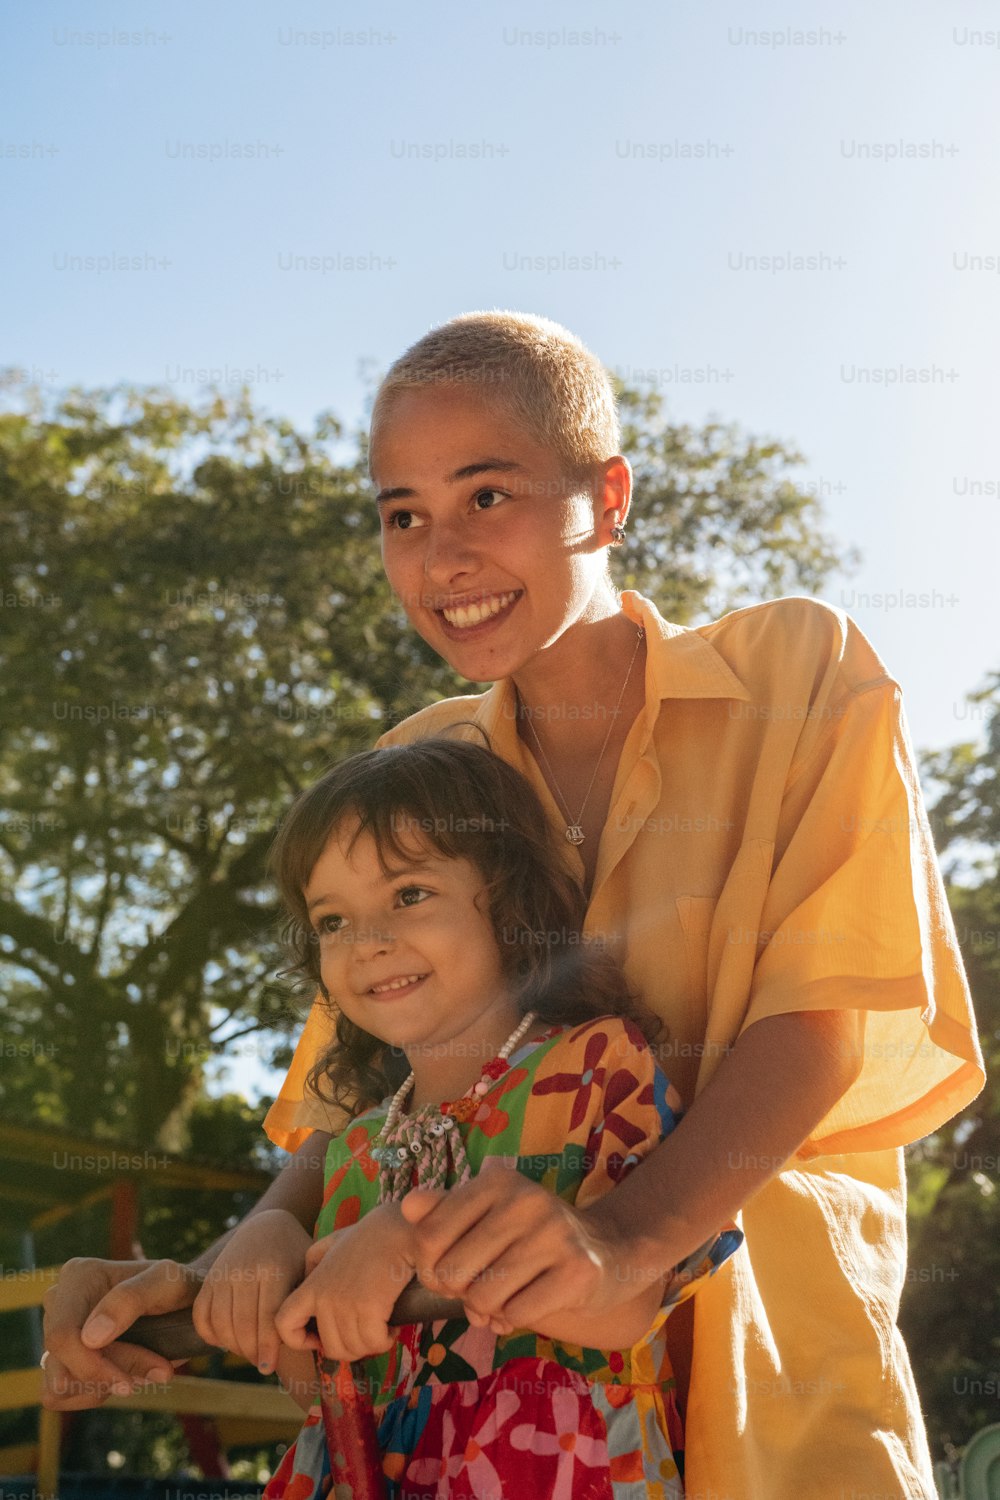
613,495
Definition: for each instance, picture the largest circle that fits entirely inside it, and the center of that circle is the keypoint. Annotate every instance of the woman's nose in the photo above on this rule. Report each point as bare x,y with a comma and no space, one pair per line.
448,552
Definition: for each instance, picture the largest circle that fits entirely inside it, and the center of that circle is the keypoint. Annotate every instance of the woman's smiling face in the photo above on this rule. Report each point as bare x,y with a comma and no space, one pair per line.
492,552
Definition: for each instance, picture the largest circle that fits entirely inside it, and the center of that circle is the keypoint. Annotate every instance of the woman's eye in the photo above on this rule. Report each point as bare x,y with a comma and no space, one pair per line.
488,495
412,895
402,520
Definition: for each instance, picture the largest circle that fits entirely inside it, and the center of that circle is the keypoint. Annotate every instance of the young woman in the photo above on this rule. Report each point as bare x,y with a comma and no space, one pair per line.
754,847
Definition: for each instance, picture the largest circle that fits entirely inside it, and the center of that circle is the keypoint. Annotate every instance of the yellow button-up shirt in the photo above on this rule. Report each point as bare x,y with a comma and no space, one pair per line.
767,850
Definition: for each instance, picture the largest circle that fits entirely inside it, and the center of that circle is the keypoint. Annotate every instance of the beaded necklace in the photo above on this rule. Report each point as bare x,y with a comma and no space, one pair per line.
428,1140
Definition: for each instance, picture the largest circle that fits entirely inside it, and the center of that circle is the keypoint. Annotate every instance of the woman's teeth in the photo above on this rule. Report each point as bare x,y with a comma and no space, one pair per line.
475,614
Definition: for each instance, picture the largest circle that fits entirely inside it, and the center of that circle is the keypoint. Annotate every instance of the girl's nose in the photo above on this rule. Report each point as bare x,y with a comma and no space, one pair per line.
369,942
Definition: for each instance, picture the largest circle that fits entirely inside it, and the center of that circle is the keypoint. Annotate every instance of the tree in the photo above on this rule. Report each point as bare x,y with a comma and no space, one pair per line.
197,624
949,1305
718,522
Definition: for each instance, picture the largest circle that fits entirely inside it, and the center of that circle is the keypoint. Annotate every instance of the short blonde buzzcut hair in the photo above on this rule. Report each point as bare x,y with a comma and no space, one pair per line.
538,372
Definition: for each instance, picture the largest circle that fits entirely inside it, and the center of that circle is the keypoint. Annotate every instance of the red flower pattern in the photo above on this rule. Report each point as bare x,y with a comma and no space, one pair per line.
590,1077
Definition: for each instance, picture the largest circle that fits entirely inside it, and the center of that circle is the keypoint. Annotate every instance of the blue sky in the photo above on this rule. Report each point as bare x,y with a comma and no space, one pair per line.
300,191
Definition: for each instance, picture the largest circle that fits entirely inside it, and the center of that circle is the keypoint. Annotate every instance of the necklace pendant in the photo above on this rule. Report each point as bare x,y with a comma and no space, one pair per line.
574,833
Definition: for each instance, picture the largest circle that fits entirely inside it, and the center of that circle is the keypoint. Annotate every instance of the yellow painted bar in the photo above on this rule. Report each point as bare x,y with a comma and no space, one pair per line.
49,1440
185,1393
20,1388
25,1288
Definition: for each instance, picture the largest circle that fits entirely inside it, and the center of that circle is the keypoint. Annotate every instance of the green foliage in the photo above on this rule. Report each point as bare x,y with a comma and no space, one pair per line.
949,1314
197,624
718,522
180,1222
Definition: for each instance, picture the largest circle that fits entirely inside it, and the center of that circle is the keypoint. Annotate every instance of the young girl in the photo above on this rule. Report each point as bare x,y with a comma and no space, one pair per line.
428,905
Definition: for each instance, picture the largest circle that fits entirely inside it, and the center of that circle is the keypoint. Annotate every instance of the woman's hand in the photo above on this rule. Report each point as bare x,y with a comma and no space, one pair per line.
86,1311
354,1277
248,1282
519,1257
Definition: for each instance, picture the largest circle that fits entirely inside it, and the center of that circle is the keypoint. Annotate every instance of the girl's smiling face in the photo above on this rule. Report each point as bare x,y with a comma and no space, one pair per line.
492,552
409,953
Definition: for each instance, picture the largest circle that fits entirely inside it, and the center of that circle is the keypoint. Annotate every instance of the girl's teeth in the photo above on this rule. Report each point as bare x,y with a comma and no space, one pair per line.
397,984
475,614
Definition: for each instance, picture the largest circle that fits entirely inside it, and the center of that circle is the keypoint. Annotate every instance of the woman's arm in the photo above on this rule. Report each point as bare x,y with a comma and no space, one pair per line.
619,1329
105,1297
782,1077
784,1074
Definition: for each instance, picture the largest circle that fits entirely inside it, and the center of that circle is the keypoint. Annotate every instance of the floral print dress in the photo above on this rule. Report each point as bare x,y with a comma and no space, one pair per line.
464,1412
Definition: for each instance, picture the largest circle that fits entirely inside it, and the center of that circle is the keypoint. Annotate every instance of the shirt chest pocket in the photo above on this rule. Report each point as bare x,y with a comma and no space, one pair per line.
721,941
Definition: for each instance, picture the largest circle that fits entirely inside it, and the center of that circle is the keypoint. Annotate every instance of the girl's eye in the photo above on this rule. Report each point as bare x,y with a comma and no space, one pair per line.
485,495
416,892
328,925
402,520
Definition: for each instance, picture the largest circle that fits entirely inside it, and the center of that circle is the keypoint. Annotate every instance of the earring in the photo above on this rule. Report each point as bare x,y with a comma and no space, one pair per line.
617,534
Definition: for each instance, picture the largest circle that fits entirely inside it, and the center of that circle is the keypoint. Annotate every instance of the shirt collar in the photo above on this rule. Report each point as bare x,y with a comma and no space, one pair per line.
680,663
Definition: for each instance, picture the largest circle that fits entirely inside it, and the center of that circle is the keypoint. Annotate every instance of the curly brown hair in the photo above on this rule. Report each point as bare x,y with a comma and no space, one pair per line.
466,803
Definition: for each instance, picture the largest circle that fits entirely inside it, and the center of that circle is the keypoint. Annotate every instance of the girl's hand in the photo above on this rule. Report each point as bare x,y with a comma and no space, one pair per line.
318,1249
355,1276
519,1257
246,1285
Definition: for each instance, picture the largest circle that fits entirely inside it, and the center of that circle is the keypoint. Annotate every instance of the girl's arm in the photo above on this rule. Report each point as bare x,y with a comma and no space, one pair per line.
247,1283
782,1077
353,1278
297,1374
298,1189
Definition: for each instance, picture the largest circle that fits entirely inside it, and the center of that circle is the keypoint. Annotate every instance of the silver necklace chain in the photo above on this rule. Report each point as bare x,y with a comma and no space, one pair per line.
574,829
